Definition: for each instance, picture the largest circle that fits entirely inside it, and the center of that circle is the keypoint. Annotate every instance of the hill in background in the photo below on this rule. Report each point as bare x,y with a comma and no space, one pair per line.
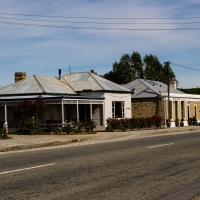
190,90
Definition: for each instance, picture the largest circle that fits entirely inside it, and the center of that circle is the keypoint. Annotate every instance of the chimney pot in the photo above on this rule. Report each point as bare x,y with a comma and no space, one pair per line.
59,74
93,72
20,76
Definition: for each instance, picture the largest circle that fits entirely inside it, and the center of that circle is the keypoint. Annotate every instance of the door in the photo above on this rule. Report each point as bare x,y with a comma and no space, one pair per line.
87,113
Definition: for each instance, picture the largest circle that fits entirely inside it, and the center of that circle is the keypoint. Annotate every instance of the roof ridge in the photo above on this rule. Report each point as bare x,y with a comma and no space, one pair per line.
74,73
63,78
145,81
15,83
96,81
40,85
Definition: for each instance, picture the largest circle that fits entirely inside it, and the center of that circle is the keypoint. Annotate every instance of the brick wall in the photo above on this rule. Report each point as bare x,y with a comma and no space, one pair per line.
192,105
147,107
153,106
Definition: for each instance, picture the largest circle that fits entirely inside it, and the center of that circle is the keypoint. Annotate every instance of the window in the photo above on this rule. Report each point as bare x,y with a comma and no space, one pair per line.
118,109
170,110
188,112
195,111
176,109
182,109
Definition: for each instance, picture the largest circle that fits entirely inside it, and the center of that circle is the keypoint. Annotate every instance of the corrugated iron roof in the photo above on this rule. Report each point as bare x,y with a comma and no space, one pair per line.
147,88
37,85
68,85
86,80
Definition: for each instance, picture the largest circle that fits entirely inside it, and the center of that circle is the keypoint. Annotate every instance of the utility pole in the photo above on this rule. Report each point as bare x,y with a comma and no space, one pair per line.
168,89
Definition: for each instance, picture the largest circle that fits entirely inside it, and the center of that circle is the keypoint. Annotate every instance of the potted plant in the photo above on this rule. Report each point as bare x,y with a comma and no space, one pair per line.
177,122
182,123
168,123
190,121
194,120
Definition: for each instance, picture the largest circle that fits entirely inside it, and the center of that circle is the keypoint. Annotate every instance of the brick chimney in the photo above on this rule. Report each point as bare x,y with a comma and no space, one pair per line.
20,76
173,83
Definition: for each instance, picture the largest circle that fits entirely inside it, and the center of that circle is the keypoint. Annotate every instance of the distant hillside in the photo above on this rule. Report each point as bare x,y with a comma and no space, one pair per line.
190,90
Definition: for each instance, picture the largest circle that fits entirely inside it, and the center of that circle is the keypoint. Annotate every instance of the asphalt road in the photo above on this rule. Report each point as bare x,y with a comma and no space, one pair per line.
158,168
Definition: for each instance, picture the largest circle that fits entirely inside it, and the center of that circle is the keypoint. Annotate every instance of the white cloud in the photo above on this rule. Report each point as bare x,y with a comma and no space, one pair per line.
44,50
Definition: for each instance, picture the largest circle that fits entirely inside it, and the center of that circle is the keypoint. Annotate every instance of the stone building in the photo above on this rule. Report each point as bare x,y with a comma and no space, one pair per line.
151,98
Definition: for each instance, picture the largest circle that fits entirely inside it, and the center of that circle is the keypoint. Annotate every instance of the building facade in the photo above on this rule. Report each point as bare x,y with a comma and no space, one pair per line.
75,96
151,98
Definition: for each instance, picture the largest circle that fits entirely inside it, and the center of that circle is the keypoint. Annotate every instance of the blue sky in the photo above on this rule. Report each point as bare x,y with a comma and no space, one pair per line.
44,50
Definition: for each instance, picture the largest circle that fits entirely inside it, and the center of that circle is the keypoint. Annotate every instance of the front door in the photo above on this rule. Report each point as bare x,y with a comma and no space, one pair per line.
87,113
84,112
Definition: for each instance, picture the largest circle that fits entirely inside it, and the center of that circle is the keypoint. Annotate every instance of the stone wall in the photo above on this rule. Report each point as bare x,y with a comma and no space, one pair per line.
187,105
192,105
147,107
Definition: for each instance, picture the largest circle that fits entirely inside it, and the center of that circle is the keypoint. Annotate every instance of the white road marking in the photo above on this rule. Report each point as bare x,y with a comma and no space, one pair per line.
17,170
161,145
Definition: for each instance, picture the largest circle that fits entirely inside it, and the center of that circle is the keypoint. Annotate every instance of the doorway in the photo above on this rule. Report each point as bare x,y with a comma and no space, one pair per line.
87,113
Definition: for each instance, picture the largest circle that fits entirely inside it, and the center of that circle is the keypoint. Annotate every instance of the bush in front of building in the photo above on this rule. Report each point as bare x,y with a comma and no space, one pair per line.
79,127
2,133
29,113
88,125
133,123
29,127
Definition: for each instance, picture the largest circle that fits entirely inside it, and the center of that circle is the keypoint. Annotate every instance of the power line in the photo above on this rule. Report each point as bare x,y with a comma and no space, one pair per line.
96,28
185,66
94,22
112,18
123,23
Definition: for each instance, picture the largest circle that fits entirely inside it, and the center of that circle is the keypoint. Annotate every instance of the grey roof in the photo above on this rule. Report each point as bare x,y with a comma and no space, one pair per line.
37,85
148,89
86,80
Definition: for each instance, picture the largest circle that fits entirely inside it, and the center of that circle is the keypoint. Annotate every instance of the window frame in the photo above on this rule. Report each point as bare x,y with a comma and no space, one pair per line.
115,109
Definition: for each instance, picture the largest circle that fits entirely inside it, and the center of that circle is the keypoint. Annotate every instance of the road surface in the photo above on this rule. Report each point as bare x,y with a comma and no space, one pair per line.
156,168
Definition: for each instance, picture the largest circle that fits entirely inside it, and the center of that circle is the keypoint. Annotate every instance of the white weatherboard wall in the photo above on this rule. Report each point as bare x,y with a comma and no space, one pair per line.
110,97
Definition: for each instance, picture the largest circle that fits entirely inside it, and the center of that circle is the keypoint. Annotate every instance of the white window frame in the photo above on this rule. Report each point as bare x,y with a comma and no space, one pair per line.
122,109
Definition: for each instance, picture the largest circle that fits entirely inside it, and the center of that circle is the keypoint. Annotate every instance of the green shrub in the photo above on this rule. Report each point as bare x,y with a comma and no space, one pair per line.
2,133
67,129
133,123
122,128
54,129
29,127
88,125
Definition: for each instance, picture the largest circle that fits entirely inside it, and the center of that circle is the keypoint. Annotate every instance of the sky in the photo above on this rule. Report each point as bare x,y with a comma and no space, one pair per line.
40,37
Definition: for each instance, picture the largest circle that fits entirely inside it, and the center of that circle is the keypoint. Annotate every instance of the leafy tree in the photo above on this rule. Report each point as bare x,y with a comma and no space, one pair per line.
137,65
131,67
152,68
121,72
127,69
29,112
164,74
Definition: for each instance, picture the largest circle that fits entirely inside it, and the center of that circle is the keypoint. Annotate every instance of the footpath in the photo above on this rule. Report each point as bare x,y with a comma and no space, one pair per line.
22,142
